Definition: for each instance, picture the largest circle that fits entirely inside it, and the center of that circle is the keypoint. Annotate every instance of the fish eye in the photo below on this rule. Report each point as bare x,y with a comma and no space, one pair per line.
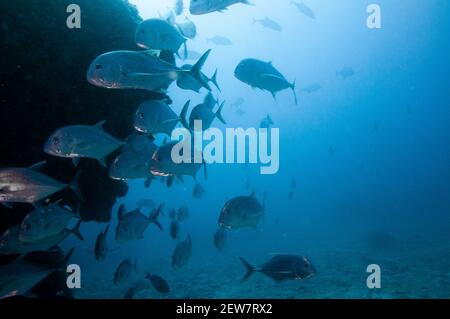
141,115
98,67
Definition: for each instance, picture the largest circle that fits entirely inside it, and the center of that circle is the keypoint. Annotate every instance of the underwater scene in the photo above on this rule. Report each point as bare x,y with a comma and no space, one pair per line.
225,149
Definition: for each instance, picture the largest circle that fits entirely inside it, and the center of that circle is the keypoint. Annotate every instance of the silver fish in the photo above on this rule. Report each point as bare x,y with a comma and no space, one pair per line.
183,213
187,28
188,82
82,141
158,34
264,76
178,7
123,271
303,8
28,185
269,24
182,253
138,70
204,114
219,40
241,212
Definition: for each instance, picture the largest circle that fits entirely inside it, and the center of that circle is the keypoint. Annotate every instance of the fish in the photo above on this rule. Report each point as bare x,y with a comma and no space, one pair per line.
183,213
146,203
163,164
199,7
132,225
182,253
22,275
267,122
264,76
240,112
188,82
282,267
345,72
312,88
123,271
198,191
82,141
101,245
138,70
174,229
130,165
28,185
269,24
154,117
219,40
293,183
303,8
241,212
173,214
205,114
187,28
10,243
158,283
220,238
140,143
178,7
210,101
45,221
158,34
238,102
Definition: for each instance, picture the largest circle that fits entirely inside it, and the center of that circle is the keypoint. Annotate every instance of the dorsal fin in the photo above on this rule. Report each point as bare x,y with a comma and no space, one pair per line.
100,125
36,167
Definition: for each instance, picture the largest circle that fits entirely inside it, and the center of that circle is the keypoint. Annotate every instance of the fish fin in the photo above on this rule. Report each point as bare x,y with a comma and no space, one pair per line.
155,216
196,70
180,178
121,211
158,224
213,79
76,231
105,232
74,185
249,268
67,258
219,113
36,167
100,125
102,161
8,205
148,182
76,161
183,116
295,93
152,52
185,49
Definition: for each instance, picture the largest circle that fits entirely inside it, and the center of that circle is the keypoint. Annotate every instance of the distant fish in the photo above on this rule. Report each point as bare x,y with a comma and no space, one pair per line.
198,7
28,185
267,122
241,212
283,267
264,76
101,245
188,82
183,213
123,271
182,253
238,102
219,40
158,34
198,191
303,8
174,229
178,7
220,238
158,283
269,24
291,195
312,88
172,214
293,183
187,28
240,112
153,117
345,72
82,141
138,70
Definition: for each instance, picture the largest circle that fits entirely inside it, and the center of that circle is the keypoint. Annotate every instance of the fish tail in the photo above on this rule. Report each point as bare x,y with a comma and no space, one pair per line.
197,69
67,258
185,50
156,216
76,231
183,115
219,113
74,185
250,269
213,79
295,93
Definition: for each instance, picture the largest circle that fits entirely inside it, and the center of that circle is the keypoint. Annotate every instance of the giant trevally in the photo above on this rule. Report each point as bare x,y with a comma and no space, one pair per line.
10,243
178,7
132,225
158,283
154,117
303,8
241,212
220,40
82,141
188,82
182,253
158,34
283,267
28,185
187,28
123,271
198,7
138,70
205,114
20,276
264,76
269,24
45,221
183,213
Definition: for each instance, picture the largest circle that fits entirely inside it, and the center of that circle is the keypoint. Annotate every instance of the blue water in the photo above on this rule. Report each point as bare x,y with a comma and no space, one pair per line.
370,153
